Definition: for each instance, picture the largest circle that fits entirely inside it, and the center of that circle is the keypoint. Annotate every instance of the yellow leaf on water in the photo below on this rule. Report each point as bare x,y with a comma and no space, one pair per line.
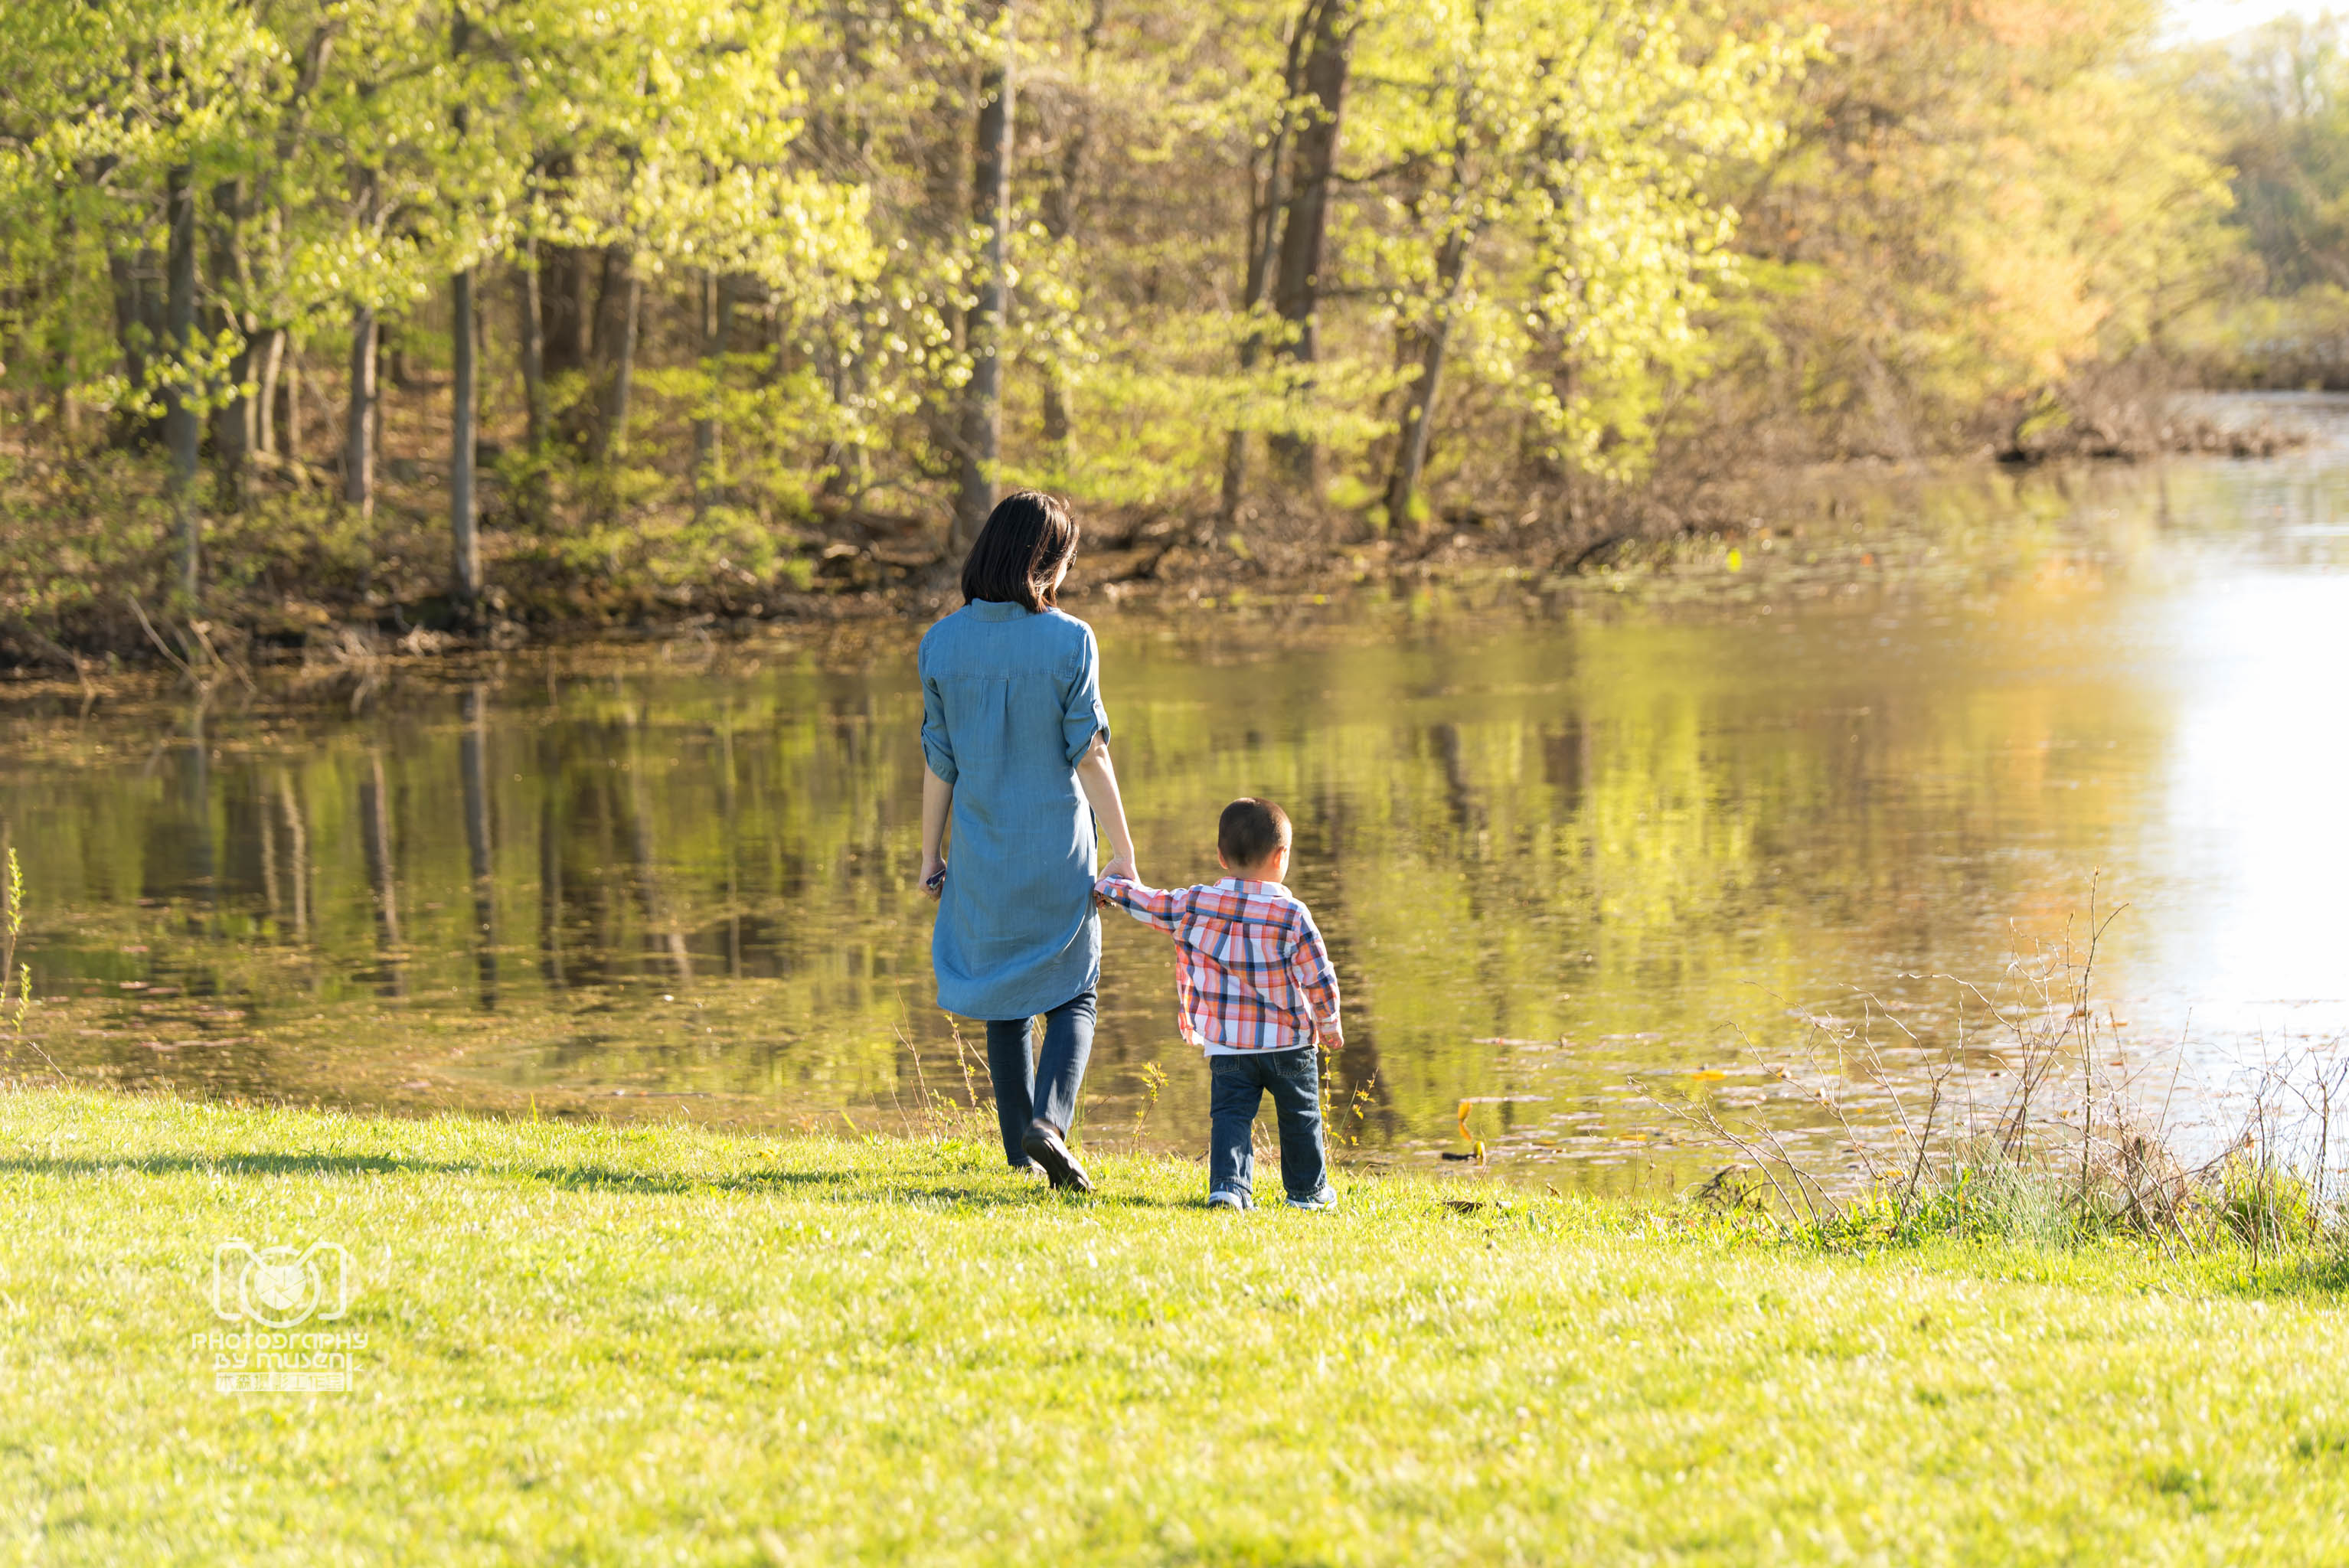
1708,1074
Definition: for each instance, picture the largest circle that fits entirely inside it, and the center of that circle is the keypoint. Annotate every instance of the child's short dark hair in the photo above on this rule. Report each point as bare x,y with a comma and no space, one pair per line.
1015,556
1250,831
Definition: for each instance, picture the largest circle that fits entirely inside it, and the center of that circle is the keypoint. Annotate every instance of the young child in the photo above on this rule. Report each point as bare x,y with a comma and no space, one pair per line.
1258,995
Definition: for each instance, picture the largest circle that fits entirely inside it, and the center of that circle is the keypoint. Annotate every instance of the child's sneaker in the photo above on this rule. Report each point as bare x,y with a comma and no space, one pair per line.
1231,1201
1325,1199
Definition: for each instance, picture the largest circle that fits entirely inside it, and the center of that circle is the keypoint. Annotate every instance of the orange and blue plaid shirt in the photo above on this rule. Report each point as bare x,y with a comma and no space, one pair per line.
1251,973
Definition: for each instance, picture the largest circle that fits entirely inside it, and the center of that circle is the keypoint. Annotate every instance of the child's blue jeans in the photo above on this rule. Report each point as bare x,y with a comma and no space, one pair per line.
1239,1083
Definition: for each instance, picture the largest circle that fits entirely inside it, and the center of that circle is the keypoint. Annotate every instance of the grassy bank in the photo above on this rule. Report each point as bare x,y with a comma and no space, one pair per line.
594,1344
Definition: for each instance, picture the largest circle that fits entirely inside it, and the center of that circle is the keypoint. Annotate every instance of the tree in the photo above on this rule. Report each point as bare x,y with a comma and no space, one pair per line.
1327,28
1978,203
146,102
464,329
2279,95
817,272
980,449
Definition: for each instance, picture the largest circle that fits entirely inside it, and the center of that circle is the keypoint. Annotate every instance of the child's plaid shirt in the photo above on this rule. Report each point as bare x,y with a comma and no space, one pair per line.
1251,973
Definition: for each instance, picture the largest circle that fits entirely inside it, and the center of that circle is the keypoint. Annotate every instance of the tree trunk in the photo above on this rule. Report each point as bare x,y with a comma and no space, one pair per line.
1297,287
464,346
181,428
1264,229
391,357
705,424
139,329
848,466
68,323
982,410
567,335
270,354
569,325
289,427
1411,451
1269,203
1419,410
624,285
533,351
233,421
138,321
277,429
1060,215
462,521
529,494
358,425
566,327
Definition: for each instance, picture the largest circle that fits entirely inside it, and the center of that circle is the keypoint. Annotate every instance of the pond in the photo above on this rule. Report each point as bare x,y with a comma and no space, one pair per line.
1561,837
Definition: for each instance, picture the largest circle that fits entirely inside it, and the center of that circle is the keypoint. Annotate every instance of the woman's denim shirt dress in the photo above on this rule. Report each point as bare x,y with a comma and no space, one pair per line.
1011,703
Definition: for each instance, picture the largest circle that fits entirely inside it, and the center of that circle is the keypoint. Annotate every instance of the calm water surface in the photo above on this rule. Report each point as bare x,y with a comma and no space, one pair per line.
1555,839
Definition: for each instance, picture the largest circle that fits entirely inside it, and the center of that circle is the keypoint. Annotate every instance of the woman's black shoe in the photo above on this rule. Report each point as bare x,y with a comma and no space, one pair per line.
1043,1145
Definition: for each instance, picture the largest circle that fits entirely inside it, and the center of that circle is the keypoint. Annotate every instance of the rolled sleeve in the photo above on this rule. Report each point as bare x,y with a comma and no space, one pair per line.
937,748
1081,714
1152,906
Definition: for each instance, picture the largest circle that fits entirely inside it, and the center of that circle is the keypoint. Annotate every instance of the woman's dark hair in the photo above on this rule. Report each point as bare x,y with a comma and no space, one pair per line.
1019,552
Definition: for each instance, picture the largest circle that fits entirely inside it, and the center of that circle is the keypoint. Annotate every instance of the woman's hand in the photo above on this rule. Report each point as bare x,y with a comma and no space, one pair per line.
938,806
1123,866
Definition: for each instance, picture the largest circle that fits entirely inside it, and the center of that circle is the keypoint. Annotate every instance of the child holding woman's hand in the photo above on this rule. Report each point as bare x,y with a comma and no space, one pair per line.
1256,994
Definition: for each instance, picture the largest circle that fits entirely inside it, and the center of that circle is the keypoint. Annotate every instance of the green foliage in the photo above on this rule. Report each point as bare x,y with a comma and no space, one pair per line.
1574,153
13,975
2263,1204
2279,94
1606,227
2280,97
1980,204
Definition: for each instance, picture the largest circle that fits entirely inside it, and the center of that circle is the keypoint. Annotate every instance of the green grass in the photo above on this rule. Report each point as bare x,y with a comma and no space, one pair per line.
662,1345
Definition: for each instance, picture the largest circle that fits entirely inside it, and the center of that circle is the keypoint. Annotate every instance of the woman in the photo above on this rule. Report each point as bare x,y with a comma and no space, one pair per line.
1017,748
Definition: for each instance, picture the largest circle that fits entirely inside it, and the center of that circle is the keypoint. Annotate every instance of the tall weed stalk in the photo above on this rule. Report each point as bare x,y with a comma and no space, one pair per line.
2025,1123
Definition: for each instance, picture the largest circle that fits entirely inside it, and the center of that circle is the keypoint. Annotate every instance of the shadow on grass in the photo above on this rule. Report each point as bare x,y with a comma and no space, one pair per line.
1020,1197
2316,1279
846,1187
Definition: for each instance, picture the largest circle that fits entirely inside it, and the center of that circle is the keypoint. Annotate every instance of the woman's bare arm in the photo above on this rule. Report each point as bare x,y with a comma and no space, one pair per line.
938,804
1098,780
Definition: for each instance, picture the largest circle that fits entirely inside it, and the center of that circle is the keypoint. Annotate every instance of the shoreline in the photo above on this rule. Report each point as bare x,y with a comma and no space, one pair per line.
1140,564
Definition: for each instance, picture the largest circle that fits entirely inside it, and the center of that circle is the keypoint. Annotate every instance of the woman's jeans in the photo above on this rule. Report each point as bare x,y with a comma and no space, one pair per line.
1048,1090
1239,1083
